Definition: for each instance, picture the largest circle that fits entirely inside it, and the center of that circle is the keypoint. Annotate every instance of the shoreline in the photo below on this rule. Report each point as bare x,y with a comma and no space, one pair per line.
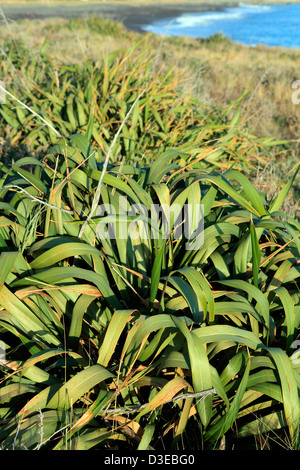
71,3
133,14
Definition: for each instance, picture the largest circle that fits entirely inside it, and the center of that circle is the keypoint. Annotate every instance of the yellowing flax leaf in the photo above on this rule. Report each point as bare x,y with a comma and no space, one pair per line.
164,395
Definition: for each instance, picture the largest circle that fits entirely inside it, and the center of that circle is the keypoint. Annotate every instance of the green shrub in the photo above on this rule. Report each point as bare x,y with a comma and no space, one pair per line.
96,24
218,38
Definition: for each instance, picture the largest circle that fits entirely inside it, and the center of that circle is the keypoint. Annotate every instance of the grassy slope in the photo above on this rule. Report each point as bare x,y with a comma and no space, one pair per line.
219,72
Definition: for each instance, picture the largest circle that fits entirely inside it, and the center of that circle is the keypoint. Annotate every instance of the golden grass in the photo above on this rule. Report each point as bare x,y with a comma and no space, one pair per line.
223,71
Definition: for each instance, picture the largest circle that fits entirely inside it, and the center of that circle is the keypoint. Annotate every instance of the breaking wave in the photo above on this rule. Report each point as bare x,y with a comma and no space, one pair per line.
203,19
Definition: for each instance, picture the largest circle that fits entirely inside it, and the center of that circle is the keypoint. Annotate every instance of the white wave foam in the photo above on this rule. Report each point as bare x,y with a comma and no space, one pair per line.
201,19
256,8
190,21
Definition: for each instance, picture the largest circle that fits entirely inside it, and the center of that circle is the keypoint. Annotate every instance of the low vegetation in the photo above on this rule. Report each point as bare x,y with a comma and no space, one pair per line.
138,342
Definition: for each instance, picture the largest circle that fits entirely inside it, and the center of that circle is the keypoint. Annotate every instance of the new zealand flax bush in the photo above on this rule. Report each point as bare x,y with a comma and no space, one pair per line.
101,333
110,342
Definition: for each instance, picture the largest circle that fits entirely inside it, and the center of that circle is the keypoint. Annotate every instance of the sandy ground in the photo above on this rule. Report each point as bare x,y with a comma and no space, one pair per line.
133,14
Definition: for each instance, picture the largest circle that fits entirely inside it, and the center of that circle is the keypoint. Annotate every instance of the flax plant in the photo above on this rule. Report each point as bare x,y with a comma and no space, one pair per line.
141,342
92,325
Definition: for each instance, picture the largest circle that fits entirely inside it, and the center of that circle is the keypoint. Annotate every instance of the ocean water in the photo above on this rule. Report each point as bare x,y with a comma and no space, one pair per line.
273,25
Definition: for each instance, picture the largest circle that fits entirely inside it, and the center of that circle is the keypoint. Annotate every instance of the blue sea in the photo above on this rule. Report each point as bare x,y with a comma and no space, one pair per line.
273,25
